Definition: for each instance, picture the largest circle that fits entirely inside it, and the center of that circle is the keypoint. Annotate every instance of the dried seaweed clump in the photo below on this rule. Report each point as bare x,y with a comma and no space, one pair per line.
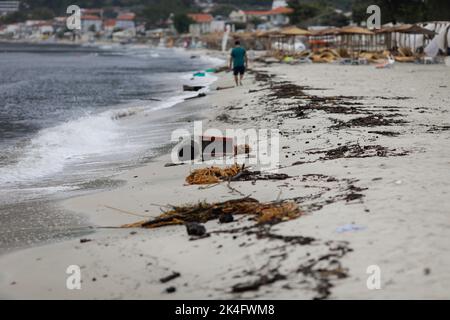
265,213
212,175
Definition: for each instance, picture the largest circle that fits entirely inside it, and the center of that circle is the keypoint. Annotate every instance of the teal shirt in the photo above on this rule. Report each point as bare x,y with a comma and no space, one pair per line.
238,55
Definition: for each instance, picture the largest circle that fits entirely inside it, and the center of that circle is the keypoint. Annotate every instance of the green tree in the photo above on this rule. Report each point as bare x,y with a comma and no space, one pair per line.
223,10
406,11
42,14
181,22
156,12
437,10
14,17
303,12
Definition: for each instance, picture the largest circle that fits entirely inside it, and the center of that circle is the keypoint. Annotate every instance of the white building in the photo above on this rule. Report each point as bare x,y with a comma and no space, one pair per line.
275,17
125,21
202,23
238,16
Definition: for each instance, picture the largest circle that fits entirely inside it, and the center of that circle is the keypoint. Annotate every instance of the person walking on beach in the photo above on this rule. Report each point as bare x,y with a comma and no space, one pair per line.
238,62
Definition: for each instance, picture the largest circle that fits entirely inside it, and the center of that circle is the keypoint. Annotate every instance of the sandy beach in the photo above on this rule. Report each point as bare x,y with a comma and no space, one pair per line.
367,154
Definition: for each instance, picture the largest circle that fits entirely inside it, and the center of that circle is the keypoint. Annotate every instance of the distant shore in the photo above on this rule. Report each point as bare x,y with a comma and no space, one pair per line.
366,153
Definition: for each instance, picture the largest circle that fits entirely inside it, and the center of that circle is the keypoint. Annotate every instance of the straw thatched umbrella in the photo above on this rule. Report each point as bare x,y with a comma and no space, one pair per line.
268,35
410,29
319,36
349,33
293,33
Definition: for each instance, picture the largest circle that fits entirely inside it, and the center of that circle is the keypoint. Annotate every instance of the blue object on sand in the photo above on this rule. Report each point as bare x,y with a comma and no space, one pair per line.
199,74
349,228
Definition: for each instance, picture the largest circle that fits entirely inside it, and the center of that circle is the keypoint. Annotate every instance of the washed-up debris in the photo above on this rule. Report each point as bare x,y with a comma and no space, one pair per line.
319,271
195,229
326,268
369,121
171,290
85,240
358,151
213,175
386,133
261,76
287,91
265,213
171,164
246,175
170,277
353,196
349,228
435,129
226,218
255,285
300,111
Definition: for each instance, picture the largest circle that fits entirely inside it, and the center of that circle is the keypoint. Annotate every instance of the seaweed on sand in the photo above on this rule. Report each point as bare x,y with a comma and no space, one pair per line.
213,175
375,120
202,212
358,151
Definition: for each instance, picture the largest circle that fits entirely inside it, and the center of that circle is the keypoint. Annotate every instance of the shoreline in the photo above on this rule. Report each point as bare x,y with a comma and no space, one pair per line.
46,203
377,192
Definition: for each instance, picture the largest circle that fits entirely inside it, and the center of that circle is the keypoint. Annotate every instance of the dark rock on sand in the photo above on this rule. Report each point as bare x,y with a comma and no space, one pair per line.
171,289
195,229
226,218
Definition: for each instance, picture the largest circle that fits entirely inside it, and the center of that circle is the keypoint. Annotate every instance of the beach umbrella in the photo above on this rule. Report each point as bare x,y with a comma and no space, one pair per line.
413,29
351,32
294,32
317,36
355,31
408,29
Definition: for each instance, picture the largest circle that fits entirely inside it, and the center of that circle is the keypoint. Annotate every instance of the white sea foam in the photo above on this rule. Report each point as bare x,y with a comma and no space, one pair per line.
52,148
90,138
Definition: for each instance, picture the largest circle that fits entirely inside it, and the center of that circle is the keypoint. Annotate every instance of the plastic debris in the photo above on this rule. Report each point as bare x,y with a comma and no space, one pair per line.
350,228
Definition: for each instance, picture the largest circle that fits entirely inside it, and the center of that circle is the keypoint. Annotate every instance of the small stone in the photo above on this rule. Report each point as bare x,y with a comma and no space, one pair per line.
195,229
171,289
226,218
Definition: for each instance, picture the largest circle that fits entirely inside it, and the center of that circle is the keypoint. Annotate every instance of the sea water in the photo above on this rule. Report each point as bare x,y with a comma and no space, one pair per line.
72,117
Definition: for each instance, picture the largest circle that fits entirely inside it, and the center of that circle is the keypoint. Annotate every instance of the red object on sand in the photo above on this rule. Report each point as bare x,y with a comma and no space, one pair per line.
217,147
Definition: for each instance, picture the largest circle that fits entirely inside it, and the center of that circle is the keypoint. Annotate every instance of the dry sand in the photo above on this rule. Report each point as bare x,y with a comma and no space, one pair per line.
398,192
